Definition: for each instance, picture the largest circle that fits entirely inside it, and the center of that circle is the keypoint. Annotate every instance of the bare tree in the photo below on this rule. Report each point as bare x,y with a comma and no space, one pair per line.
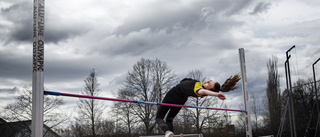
187,120
21,109
197,75
305,107
149,80
126,121
90,110
211,120
255,108
107,128
273,95
241,122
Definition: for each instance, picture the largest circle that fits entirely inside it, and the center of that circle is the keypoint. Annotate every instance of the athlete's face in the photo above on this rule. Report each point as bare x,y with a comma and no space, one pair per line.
209,84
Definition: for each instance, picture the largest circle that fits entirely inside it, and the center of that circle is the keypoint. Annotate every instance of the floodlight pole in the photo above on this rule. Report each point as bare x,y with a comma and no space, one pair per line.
316,92
291,109
288,102
38,61
314,79
245,92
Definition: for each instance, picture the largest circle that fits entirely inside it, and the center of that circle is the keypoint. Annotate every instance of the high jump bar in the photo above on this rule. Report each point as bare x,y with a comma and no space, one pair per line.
133,101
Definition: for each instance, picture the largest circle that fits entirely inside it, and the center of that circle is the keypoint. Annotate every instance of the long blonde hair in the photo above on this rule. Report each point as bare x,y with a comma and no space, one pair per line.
229,84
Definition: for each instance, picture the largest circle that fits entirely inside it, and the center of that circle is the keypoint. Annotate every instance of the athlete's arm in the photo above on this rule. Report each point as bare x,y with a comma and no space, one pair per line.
206,92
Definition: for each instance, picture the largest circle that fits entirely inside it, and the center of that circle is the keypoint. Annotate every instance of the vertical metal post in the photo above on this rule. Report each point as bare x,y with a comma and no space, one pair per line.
314,79
38,63
316,92
288,102
290,94
283,119
245,92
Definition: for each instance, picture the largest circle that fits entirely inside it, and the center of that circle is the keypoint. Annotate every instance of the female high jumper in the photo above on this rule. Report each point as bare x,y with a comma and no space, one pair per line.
190,87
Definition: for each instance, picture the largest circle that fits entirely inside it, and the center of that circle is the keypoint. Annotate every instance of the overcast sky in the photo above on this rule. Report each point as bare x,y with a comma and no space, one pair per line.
112,35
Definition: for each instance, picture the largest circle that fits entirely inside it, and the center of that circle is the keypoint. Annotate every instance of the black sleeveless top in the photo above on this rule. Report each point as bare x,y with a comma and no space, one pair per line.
180,93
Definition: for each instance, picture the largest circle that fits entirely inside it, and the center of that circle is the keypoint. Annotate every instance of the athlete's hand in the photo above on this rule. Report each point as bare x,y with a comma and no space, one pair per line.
221,96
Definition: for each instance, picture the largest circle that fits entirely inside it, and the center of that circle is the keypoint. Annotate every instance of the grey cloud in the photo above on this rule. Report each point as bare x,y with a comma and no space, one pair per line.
188,18
119,80
179,25
155,21
235,7
136,43
62,70
19,67
304,29
58,29
134,47
260,8
9,90
20,15
62,34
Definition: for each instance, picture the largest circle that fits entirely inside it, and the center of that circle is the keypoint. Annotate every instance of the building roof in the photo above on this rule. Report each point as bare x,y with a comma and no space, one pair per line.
2,121
9,129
